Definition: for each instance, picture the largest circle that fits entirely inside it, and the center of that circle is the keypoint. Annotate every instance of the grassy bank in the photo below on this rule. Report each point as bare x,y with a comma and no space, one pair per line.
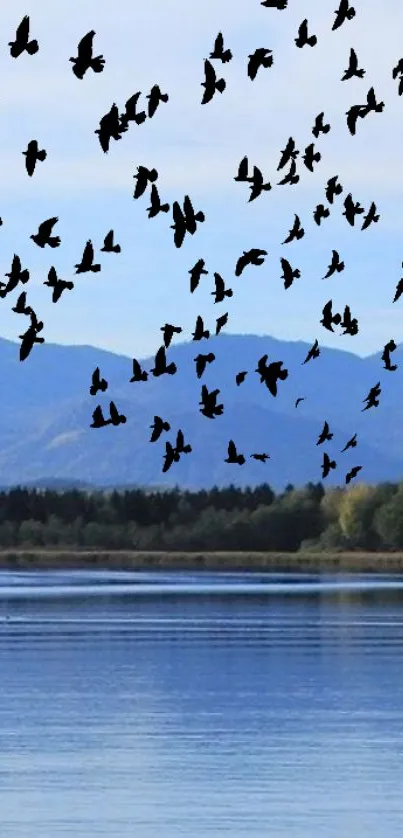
130,560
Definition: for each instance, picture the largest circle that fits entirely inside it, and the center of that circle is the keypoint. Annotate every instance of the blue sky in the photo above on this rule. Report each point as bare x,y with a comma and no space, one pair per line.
196,150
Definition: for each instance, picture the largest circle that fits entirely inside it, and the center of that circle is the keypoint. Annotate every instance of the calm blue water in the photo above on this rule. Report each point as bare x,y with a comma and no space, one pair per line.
146,705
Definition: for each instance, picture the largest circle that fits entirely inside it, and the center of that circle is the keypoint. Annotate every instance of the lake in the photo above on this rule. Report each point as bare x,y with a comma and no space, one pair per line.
161,705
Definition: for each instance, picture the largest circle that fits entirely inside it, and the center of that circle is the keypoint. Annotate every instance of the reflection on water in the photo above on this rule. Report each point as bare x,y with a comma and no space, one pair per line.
172,704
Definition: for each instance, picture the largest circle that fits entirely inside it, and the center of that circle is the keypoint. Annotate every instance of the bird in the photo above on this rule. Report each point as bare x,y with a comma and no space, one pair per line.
372,398
87,261
116,417
170,456
333,188
210,83
388,348
353,473
180,446
208,403
257,184
22,42
242,176
291,177
288,274
143,177
138,373
399,289
240,377
349,324
98,420
98,383
32,155
130,113
43,237
310,157
85,60
327,465
352,443
352,115
314,352
297,232
221,322
168,332
319,127
289,153
29,338
343,13
324,434
109,246
156,206
351,209
155,97
186,221
300,399
335,266
370,217
161,367
200,332
195,274
328,317
233,456
261,457
15,276
58,285
201,362
303,40
219,53
319,213
398,71
261,57
249,257
20,306
158,427
110,127
271,374
220,290
352,69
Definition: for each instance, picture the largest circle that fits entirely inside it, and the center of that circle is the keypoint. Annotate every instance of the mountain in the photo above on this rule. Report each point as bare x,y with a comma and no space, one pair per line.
47,410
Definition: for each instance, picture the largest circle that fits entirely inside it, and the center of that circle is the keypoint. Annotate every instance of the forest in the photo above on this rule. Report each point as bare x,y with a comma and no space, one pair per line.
360,517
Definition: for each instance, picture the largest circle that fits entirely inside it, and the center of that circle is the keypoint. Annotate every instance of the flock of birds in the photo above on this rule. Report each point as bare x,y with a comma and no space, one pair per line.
185,220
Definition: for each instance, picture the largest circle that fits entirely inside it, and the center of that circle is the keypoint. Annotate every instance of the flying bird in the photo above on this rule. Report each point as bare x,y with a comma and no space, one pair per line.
195,274
297,232
32,155
29,338
291,177
303,40
58,285
257,184
161,367
261,457
352,69
15,276
261,57
158,427
399,289
219,53
130,113
271,374
352,443
333,188
200,332
372,398
289,153
343,13
155,97
43,237
85,60
288,273
310,157
208,403
109,246
98,383
156,206
201,362
353,473
370,217
186,221
240,377
168,332
250,257
319,127
210,84
110,127
171,456
335,265
220,290
388,348
324,434
319,213
138,373
221,322
87,261
116,417
329,318
327,465
233,456
351,209
314,352
143,177
22,42
98,420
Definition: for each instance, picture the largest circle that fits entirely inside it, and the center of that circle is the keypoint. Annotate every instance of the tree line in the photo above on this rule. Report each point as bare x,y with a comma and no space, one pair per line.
362,516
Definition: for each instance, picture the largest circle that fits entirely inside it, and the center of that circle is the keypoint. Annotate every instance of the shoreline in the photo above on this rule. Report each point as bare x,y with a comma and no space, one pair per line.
74,559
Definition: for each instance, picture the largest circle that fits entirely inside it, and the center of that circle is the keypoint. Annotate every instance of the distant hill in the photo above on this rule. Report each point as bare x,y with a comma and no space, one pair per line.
47,410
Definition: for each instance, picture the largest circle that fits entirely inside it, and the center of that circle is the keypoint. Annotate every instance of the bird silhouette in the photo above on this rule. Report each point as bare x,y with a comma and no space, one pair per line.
271,374
300,399
22,42
161,367
170,456
352,69
233,456
32,155
288,274
168,332
29,338
319,127
138,373
200,332
109,246
85,60
180,446
281,5
261,457
291,177
110,127
257,184
116,417
352,443
210,84
250,257
158,427
372,398
261,57
297,232
333,188
130,113
388,348
201,362
314,352
155,97
15,275
303,40
289,153
98,384
398,71
324,434
221,322
219,53
343,13
58,285
349,324
144,176
220,292
98,420
156,206
196,273
242,176
328,317
186,221
335,266
319,213
208,403
370,217
87,261
43,237
327,465
351,209
399,289
20,306
310,156
353,473
353,114
240,377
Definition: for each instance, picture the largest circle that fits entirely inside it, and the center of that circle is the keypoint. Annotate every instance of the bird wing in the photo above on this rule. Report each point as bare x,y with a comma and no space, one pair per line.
84,49
22,33
45,228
